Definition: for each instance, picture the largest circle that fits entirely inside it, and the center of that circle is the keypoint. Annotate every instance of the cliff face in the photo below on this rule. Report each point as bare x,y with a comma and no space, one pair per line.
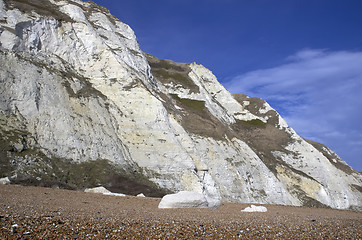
82,105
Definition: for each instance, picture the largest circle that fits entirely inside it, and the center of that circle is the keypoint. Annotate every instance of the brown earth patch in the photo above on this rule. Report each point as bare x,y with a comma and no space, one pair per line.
167,71
44,8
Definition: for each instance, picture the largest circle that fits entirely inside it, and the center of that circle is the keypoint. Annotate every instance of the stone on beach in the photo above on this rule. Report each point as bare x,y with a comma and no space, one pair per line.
104,191
185,199
213,202
4,181
254,208
115,194
79,215
98,190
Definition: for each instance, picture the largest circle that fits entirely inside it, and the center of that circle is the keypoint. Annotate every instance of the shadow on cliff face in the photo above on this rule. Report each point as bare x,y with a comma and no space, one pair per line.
120,184
39,170
24,163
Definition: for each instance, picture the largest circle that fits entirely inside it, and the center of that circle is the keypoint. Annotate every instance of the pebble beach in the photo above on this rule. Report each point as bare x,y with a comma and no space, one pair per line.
44,213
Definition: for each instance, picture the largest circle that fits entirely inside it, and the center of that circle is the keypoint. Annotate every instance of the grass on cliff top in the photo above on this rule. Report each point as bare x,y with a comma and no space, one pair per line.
190,104
177,77
167,71
44,8
180,78
166,64
195,117
251,123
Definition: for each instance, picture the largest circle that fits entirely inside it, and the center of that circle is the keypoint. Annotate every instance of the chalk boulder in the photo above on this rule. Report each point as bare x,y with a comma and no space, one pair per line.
4,181
254,208
213,203
186,199
115,194
100,189
104,191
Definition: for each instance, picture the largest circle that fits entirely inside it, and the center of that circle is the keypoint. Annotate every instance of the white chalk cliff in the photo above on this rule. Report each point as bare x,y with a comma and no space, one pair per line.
81,105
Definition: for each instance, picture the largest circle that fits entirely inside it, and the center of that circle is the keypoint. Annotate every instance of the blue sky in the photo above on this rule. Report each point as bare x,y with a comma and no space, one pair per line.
303,56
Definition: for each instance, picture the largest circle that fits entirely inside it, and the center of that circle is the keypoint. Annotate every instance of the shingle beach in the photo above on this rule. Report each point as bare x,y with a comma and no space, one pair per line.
46,213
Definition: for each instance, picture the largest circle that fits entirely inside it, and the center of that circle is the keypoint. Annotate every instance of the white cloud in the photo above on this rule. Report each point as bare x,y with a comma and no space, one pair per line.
318,92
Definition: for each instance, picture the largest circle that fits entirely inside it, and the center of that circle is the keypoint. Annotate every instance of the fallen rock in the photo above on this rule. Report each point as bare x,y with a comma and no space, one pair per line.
141,195
185,199
213,203
254,208
104,191
98,190
4,181
115,194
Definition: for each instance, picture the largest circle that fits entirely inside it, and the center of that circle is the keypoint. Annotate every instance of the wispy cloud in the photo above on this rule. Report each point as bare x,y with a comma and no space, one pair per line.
319,93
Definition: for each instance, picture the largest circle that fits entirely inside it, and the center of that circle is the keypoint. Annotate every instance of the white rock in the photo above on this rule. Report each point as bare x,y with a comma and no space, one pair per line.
115,194
4,181
184,199
100,189
254,208
213,203
141,195
104,191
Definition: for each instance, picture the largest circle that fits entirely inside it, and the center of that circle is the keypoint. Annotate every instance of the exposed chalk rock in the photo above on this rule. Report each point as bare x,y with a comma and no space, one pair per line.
212,202
254,208
115,194
4,181
103,191
100,189
184,199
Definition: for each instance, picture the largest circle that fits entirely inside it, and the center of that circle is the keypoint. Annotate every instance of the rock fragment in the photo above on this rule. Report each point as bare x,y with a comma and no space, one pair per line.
254,208
4,181
186,199
98,190
104,191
